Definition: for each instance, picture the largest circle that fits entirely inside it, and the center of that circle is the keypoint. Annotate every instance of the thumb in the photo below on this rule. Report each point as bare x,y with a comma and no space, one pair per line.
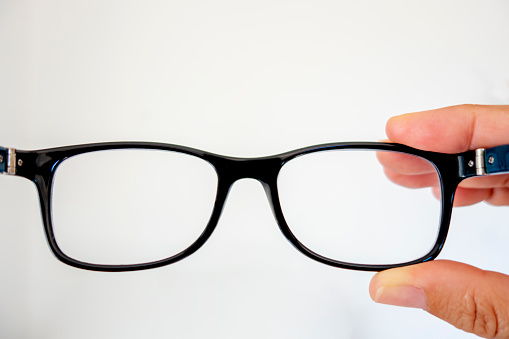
469,298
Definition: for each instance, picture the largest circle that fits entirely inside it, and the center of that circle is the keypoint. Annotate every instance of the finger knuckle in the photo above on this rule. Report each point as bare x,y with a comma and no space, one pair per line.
481,317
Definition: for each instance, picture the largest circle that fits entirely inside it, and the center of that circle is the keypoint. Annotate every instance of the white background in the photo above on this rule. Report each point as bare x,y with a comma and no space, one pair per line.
243,78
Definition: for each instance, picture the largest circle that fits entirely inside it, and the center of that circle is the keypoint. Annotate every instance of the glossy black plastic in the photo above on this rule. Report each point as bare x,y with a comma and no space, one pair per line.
39,166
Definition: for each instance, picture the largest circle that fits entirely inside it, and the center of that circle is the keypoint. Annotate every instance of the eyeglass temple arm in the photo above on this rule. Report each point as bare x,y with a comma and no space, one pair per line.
484,161
496,159
8,161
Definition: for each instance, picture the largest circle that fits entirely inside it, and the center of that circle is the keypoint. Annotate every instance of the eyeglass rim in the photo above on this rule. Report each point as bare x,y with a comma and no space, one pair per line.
39,166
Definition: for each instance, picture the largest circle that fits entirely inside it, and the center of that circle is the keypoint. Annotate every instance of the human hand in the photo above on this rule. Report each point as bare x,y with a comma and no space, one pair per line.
469,298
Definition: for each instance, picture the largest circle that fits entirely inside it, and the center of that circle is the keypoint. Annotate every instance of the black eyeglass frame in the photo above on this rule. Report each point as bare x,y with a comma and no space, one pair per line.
39,166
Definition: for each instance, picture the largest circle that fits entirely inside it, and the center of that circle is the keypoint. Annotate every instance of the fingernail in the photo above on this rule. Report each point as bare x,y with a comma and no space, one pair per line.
406,296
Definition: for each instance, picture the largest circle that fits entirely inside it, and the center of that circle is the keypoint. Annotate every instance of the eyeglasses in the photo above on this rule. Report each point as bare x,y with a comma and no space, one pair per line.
128,206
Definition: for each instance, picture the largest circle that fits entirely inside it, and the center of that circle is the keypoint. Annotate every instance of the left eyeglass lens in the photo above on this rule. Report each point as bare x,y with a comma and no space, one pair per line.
345,205
125,207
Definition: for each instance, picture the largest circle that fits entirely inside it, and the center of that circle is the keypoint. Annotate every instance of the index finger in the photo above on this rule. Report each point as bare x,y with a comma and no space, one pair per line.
452,129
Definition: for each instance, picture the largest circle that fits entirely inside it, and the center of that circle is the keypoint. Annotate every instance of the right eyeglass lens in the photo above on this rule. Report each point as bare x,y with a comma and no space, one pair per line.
362,206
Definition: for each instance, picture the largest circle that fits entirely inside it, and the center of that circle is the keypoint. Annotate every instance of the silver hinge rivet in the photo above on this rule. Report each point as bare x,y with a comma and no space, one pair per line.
491,160
20,162
471,163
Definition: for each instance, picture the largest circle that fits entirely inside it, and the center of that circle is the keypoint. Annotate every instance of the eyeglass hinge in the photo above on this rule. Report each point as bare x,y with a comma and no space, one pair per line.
480,165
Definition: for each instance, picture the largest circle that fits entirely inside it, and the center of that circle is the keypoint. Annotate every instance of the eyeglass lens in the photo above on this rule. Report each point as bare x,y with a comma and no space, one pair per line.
341,205
124,207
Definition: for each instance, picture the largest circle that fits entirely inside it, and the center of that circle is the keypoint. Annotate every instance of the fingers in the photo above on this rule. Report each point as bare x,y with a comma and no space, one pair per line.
487,181
412,181
469,196
464,196
467,297
452,129
404,163
499,197
416,169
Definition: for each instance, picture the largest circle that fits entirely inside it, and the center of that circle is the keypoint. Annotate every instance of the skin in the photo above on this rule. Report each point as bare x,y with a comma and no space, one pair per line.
469,298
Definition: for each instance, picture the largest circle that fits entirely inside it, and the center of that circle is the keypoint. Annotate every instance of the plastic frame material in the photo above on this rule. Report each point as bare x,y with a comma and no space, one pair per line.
39,166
